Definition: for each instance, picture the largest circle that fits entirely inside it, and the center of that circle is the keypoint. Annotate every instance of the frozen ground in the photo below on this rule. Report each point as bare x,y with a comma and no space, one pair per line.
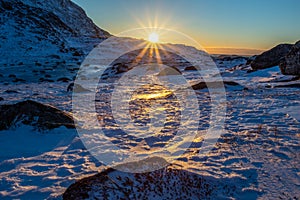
258,152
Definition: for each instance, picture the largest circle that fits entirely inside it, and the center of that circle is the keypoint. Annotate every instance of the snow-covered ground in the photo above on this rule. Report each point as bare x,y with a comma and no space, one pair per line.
258,153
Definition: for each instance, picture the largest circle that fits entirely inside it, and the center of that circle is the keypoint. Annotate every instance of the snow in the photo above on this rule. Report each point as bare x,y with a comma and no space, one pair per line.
25,141
40,165
59,27
293,111
258,152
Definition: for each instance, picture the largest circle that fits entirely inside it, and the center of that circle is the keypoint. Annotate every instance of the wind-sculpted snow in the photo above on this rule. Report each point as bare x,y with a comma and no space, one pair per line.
257,155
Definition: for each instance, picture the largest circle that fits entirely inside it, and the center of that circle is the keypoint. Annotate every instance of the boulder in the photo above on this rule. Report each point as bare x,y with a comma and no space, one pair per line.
271,57
190,68
121,67
217,84
291,63
35,114
169,182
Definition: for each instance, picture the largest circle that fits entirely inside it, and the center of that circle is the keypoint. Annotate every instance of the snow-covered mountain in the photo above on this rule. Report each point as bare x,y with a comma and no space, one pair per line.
38,32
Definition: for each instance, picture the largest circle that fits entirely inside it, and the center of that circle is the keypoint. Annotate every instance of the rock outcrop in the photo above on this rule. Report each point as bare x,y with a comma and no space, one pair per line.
35,114
291,63
271,57
165,183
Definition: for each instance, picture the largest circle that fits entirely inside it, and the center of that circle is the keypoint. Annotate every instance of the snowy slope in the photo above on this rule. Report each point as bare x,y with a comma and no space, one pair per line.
45,33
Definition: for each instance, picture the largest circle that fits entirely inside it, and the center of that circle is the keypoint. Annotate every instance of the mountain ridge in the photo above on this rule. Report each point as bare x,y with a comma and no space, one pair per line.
45,31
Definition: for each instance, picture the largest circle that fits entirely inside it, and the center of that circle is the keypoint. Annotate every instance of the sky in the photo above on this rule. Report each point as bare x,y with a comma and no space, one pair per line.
218,25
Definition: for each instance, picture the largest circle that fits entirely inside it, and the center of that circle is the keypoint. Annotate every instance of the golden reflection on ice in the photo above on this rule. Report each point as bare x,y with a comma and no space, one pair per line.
154,95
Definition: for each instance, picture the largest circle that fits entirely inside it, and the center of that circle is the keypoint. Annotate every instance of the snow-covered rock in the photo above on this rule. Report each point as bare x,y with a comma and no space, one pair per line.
167,183
35,114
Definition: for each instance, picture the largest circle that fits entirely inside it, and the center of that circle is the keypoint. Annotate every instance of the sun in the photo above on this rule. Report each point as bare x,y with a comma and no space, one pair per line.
153,37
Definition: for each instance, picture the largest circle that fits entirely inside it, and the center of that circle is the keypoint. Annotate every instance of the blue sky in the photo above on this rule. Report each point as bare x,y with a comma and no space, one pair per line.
255,24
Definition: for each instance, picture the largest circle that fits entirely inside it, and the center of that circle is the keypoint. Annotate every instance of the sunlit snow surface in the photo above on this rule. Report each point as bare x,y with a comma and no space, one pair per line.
260,146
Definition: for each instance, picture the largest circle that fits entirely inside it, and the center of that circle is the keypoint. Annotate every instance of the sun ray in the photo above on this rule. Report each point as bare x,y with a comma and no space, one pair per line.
157,55
162,50
140,56
150,59
143,44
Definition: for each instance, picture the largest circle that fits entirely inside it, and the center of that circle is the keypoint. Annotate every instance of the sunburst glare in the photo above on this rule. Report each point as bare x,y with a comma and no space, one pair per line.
153,37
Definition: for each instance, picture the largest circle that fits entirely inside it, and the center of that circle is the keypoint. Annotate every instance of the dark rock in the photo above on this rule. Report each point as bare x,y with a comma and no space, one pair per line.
120,68
271,57
232,83
12,76
6,5
46,80
268,86
199,86
35,114
291,63
18,80
54,56
11,91
203,85
76,53
250,59
190,68
64,79
292,85
70,87
38,64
